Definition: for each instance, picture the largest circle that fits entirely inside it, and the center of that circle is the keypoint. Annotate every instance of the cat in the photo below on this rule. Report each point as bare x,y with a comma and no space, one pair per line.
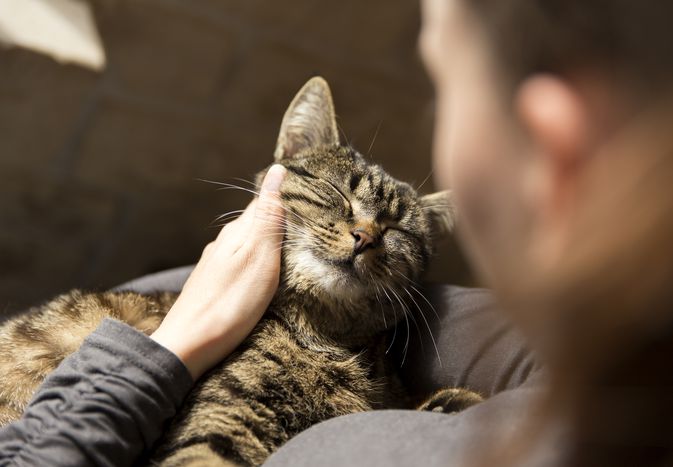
355,239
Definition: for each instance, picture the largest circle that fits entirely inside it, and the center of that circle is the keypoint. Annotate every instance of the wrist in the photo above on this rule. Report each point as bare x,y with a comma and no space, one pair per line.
179,347
199,349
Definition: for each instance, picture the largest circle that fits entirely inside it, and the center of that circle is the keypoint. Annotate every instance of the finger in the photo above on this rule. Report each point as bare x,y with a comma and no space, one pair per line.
269,212
240,224
249,213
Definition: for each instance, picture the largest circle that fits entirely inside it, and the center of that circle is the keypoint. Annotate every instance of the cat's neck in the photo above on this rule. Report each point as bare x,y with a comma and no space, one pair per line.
323,320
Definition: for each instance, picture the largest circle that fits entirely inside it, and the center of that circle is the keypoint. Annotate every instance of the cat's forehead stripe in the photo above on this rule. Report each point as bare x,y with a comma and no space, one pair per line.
383,195
300,171
379,192
355,181
401,210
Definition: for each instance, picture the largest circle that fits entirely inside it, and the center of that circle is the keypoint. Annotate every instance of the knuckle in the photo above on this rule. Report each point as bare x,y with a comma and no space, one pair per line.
248,255
208,250
270,207
258,259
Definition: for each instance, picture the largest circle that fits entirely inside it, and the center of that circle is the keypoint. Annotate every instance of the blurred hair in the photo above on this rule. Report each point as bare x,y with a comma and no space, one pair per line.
609,306
630,40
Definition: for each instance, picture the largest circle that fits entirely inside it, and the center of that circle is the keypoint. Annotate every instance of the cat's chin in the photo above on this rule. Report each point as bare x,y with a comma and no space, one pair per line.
333,278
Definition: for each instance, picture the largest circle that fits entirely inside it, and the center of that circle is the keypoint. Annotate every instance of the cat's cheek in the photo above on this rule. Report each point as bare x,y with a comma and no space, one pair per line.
395,257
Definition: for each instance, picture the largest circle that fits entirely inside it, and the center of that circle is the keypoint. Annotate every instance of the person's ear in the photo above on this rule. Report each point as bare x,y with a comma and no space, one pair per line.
556,118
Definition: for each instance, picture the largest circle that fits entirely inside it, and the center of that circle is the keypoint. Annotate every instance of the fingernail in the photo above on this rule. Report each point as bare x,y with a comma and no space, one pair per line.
274,177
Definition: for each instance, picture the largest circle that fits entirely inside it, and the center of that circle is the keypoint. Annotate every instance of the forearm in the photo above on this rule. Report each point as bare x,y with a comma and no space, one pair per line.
103,405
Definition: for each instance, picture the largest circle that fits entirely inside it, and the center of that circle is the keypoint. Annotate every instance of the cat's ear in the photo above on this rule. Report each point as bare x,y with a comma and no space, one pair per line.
309,121
440,211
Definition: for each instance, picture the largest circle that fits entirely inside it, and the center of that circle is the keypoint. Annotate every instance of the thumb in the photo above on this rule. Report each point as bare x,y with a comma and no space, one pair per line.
269,212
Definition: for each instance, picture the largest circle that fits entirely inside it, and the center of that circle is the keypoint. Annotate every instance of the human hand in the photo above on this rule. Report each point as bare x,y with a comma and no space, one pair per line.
231,286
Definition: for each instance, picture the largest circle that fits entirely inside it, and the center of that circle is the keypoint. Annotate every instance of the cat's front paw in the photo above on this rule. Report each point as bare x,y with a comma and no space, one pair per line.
450,400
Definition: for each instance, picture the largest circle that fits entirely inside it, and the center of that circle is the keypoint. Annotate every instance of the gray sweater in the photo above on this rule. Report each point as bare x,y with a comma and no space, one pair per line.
102,406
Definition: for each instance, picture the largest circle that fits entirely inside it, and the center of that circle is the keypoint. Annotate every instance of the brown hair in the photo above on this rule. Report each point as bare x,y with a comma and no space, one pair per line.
625,38
610,304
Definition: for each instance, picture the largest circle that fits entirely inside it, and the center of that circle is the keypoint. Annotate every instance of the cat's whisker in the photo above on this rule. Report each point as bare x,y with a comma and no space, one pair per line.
228,215
426,301
276,250
289,212
392,304
289,228
404,280
407,314
406,343
240,188
270,229
222,216
413,285
407,311
308,223
253,184
304,242
229,186
282,246
219,226
296,243
292,241
292,231
376,134
376,293
343,134
225,222
237,213
392,341
435,206
280,217
425,180
274,219
420,311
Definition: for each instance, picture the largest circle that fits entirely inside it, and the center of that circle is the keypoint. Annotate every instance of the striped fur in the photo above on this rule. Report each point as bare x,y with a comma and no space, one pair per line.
34,343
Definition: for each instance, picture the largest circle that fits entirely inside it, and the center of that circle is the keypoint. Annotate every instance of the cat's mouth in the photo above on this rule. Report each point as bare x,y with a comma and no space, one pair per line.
346,264
354,266
340,277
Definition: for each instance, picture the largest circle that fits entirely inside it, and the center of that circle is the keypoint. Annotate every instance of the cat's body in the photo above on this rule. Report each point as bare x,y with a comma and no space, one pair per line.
356,240
33,344
244,416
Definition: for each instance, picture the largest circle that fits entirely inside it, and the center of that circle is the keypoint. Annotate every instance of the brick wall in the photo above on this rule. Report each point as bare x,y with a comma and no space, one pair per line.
98,171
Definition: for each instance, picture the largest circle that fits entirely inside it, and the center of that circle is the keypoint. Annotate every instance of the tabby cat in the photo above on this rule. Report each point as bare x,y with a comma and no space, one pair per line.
355,239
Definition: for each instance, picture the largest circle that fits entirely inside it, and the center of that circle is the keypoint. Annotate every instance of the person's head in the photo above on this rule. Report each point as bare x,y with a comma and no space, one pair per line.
552,129
539,107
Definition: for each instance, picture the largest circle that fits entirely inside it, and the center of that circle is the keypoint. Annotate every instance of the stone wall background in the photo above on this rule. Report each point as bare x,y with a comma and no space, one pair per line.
99,171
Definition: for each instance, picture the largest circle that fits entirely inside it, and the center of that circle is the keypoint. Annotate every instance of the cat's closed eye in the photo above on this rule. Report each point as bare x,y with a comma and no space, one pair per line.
338,191
391,225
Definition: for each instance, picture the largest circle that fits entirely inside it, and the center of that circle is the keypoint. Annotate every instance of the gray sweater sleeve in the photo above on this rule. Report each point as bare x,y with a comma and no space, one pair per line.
104,405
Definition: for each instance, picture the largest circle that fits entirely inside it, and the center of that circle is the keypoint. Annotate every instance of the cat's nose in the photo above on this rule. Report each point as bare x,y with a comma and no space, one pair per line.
363,240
